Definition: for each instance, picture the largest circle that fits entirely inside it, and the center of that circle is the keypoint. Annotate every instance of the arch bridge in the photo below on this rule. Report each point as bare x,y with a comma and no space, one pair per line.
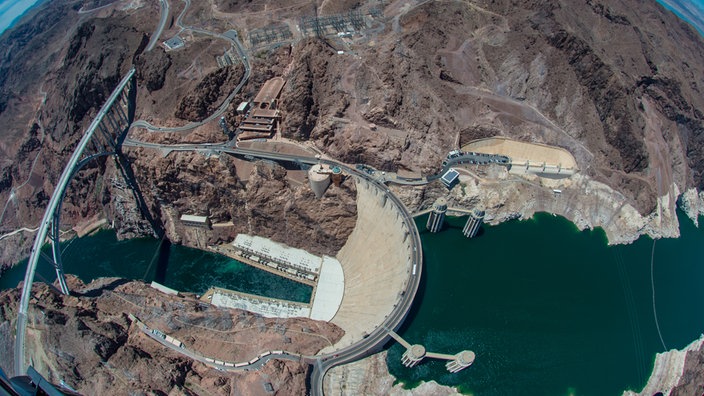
103,137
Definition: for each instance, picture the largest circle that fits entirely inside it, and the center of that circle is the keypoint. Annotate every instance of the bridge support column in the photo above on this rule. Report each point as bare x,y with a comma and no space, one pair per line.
113,123
56,250
107,136
121,114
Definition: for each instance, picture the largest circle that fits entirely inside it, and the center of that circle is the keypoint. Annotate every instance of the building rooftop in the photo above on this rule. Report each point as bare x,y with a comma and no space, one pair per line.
319,172
174,43
264,113
266,307
450,177
278,252
243,106
256,127
269,92
330,290
440,204
195,219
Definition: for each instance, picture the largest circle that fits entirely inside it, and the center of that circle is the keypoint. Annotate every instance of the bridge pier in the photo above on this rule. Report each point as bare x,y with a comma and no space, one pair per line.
121,114
55,238
107,136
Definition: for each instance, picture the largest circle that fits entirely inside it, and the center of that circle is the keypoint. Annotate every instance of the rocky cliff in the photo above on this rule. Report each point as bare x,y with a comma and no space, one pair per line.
676,372
261,198
613,86
88,341
618,84
57,70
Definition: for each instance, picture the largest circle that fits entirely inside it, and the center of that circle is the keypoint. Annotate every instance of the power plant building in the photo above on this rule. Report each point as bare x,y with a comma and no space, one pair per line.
243,108
261,122
437,215
473,223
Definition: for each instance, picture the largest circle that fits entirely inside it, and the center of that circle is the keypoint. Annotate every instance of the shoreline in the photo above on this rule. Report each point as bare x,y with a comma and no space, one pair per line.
698,25
19,17
500,218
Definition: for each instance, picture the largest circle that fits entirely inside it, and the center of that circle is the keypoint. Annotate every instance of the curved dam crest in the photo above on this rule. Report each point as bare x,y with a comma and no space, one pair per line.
376,261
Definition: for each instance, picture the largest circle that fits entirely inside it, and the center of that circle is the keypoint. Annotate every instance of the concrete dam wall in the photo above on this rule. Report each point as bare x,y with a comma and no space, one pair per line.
376,261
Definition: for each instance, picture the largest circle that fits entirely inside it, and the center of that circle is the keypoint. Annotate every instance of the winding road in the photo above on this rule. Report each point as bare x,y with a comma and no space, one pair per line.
160,27
232,37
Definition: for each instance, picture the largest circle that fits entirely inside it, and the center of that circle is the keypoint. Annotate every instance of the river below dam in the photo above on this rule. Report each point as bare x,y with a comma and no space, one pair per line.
178,267
548,310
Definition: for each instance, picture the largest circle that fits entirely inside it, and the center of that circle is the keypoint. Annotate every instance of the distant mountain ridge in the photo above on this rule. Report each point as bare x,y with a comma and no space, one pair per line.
691,12
12,10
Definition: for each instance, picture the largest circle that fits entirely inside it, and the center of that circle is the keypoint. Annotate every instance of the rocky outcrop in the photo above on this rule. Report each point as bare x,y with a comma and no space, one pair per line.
259,199
90,73
88,341
676,372
692,204
209,93
623,97
534,74
56,71
310,92
151,69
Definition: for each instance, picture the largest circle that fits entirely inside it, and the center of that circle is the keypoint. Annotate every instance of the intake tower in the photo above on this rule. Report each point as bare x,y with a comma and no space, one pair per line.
437,216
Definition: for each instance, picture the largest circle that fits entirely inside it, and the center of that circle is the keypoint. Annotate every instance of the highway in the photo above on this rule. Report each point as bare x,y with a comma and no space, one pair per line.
377,338
47,219
160,27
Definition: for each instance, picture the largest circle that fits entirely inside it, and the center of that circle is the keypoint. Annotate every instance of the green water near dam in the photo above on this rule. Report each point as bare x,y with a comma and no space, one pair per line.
550,310
181,268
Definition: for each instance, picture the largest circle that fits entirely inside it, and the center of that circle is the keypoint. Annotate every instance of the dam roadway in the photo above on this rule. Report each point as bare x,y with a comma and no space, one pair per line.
377,338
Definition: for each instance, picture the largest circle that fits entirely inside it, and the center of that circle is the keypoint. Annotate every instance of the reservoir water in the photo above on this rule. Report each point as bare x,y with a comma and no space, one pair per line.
549,310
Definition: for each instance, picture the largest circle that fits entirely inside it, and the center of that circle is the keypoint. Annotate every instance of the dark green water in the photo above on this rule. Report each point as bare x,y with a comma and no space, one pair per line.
550,310
181,268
